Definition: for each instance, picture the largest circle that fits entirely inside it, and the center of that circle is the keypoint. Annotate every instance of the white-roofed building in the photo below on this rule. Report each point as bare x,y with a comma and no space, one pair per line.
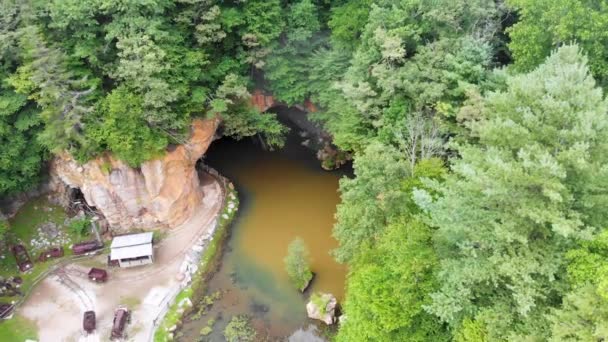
132,250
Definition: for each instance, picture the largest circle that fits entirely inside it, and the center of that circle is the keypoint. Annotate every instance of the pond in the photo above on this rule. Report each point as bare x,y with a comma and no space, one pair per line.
284,194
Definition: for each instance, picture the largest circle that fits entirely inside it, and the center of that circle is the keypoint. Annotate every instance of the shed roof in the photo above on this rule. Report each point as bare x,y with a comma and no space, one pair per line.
131,251
131,240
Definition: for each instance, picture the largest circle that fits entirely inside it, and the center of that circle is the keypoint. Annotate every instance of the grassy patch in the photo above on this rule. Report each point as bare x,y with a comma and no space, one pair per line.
24,229
17,329
130,302
174,315
31,215
24,226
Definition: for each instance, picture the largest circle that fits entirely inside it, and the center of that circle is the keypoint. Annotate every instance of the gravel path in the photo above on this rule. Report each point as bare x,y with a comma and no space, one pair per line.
58,302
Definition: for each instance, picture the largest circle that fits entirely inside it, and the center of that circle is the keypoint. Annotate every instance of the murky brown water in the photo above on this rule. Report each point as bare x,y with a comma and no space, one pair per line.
283,194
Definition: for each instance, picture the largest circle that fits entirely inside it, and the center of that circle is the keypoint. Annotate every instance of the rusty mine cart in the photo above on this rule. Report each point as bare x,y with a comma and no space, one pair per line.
23,259
98,275
86,247
56,252
122,316
88,322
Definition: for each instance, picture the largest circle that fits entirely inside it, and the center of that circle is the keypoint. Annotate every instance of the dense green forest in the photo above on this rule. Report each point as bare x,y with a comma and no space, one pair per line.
479,131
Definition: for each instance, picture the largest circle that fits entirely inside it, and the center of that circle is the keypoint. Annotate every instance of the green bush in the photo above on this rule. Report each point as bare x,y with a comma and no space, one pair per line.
80,226
297,264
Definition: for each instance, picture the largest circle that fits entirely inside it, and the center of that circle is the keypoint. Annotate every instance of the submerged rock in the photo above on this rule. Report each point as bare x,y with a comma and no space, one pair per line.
310,334
322,307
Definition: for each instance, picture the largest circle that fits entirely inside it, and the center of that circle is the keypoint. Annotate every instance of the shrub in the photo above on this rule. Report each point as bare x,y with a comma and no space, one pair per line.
80,226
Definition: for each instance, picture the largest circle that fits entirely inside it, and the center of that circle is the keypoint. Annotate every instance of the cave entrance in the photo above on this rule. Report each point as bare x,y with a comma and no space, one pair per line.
77,204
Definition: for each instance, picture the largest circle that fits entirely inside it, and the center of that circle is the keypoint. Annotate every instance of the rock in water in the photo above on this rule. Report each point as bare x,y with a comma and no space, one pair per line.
162,192
323,309
310,334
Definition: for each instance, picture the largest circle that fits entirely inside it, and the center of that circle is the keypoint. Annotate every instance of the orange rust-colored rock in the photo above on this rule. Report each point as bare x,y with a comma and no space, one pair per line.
262,101
162,192
309,106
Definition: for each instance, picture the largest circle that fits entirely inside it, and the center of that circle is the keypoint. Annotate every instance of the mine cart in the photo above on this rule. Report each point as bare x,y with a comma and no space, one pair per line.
23,259
88,321
86,247
6,310
56,252
121,318
98,275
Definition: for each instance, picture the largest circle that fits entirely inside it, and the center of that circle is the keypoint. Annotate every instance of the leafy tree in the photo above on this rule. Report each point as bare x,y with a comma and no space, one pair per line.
389,286
471,331
122,129
90,65
516,200
414,58
240,119
140,66
297,264
263,20
21,155
288,68
370,200
588,263
392,276
545,24
583,315
239,330
348,21
61,93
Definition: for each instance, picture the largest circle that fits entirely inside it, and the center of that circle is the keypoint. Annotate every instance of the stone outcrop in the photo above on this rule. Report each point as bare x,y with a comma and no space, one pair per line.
162,192
262,101
322,307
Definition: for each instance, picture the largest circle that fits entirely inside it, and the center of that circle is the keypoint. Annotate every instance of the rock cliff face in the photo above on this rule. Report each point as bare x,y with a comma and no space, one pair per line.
162,192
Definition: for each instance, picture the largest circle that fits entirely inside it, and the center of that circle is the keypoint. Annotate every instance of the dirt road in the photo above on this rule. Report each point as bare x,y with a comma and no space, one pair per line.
57,304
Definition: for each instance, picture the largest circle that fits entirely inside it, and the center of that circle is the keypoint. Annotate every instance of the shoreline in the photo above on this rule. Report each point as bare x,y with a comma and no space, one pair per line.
208,249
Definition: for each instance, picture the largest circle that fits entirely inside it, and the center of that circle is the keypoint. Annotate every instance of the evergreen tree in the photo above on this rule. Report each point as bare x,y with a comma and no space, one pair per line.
532,186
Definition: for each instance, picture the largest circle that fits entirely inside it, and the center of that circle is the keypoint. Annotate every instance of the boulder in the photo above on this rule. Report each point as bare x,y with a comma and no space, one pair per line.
310,334
163,192
322,307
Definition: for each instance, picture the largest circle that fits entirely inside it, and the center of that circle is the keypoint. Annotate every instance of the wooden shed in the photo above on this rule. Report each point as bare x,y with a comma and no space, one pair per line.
132,250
